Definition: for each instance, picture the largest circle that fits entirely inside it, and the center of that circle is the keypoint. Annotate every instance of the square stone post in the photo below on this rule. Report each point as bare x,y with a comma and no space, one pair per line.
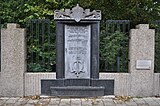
141,56
13,61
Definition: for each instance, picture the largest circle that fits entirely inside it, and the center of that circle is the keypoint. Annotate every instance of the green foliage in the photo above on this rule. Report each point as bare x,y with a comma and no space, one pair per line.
41,46
112,47
35,67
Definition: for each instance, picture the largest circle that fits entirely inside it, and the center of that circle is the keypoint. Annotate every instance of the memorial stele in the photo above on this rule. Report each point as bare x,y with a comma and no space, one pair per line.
77,55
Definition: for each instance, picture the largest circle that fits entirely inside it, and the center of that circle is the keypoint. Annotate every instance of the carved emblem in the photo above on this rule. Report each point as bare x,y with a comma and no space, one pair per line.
77,13
78,66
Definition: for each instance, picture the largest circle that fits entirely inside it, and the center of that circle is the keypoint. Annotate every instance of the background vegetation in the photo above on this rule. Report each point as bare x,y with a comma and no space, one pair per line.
138,11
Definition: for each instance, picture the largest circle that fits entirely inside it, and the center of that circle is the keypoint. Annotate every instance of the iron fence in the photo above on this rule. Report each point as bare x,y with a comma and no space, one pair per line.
156,25
114,44
40,45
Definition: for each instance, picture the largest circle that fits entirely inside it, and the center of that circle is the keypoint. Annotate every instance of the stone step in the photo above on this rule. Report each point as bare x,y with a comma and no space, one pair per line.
77,91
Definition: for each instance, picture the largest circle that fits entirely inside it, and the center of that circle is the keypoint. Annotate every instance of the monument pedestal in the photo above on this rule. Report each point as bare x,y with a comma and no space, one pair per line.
77,87
77,51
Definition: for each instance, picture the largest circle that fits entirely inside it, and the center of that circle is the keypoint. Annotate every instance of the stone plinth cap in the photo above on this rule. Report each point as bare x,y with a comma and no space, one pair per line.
142,26
77,14
12,26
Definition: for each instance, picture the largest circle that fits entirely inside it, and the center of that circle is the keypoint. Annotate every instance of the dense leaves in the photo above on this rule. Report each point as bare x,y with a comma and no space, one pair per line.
113,49
139,11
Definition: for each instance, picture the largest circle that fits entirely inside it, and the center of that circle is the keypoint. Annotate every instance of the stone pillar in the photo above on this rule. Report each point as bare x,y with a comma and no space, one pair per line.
13,60
141,65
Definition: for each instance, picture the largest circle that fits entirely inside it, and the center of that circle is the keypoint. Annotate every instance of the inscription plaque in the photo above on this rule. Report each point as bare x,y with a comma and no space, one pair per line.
77,51
143,64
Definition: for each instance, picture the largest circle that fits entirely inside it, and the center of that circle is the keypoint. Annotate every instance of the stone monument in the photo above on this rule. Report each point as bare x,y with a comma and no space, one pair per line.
77,60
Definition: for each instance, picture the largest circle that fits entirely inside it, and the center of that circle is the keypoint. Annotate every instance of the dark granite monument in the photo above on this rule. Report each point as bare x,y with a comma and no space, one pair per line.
77,62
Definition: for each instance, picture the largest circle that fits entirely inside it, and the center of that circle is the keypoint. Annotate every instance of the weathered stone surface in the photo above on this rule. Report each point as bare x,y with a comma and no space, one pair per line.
65,102
76,102
54,101
77,13
86,102
141,47
77,51
151,101
108,102
131,103
13,61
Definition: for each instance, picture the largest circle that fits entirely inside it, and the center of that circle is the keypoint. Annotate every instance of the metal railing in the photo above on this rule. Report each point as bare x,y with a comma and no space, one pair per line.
40,45
157,46
114,44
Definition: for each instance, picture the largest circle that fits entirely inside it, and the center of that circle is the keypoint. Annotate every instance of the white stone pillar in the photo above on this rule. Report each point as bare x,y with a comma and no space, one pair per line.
141,65
13,61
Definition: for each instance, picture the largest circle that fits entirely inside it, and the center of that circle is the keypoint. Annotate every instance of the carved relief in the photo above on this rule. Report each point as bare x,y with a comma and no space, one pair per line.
77,13
77,66
77,51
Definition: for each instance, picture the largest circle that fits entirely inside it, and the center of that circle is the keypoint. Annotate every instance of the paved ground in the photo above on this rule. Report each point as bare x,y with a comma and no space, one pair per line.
100,101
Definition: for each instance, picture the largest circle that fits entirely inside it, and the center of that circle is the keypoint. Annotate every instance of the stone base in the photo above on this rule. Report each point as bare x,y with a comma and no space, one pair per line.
77,87
77,91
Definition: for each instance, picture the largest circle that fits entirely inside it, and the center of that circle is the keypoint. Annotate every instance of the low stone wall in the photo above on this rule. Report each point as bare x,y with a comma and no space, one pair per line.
33,82
14,81
122,82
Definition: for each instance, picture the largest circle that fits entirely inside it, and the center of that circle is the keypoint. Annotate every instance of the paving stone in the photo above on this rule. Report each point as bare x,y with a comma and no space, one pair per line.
151,102
140,102
108,102
2,101
86,102
156,100
131,103
76,102
148,99
44,102
53,105
30,105
10,102
21,102
65,102
98,102
54,101
121,104
32,102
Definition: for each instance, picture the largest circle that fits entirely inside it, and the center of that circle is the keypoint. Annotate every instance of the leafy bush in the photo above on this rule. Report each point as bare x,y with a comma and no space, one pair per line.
41,46
114,52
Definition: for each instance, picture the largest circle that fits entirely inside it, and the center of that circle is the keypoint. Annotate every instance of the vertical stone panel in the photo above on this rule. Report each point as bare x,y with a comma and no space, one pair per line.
141,48
13,60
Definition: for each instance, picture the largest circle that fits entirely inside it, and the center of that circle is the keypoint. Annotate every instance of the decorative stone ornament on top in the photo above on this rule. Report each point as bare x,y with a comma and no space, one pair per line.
77,13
